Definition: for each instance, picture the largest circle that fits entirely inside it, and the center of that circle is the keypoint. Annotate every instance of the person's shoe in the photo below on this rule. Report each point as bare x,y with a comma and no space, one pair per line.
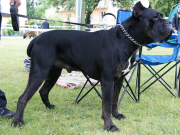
4,112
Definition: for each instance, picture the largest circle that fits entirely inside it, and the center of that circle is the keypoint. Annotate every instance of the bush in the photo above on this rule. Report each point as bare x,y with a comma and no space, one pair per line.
4,31
9,31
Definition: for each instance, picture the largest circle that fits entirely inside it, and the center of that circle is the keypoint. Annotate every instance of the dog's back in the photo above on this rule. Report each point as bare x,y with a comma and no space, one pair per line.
30,46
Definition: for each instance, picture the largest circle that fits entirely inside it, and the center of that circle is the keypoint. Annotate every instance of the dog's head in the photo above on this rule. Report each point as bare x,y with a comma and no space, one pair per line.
151,25
24,35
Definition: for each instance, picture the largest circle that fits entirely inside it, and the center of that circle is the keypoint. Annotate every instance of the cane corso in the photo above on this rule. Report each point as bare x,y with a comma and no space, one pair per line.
104,55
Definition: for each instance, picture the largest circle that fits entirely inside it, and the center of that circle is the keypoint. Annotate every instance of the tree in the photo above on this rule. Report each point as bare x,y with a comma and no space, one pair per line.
163,6
90,5
123,4
37,8
41,6
30,8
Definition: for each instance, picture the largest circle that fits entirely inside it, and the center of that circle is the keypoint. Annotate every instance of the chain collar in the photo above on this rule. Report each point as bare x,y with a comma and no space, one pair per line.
127,35
122,28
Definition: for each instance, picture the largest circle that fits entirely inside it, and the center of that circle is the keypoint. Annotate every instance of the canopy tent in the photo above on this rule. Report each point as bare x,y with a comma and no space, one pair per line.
173,11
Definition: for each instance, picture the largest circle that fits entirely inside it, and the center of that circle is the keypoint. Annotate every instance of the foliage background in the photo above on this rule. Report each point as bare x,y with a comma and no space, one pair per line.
163,6
37,8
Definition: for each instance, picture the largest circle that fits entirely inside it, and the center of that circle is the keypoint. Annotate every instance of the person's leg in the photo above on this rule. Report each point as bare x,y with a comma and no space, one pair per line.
3,110
176,37
0,24
3,101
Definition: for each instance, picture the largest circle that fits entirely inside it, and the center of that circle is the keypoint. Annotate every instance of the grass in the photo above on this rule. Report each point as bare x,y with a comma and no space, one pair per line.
157,112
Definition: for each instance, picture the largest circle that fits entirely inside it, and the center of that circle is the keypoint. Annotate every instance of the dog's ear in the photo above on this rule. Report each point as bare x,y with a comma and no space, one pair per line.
138,9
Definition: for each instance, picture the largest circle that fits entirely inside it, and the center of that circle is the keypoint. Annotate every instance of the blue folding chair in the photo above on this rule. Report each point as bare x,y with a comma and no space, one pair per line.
148,61
122,15
154,60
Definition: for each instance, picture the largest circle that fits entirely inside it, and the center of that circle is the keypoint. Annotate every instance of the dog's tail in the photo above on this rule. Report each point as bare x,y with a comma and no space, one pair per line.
29,49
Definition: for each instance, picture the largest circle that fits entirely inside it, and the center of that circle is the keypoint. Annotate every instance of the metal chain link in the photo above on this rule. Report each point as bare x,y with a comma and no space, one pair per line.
122,28
127,35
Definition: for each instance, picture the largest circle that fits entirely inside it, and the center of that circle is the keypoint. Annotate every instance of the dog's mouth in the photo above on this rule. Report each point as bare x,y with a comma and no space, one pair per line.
166,39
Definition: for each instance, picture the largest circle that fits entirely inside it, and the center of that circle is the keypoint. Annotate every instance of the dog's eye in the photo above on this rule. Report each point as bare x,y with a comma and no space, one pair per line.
155,17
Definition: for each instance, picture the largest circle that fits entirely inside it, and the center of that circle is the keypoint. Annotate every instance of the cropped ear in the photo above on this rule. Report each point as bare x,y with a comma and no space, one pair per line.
150,6
138,9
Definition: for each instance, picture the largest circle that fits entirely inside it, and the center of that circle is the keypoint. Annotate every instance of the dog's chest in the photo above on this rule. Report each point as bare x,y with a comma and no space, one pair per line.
125,66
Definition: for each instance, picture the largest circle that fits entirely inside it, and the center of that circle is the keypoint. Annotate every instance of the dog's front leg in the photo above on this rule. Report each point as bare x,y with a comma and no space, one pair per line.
117,88
107,94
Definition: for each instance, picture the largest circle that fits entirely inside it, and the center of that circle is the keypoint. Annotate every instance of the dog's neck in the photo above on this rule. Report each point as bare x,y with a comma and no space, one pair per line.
128,24
127,35
130,27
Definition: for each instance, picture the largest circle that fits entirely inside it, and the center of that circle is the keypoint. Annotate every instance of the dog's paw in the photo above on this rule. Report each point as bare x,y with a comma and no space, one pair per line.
119,116
50,106
17,123
111,128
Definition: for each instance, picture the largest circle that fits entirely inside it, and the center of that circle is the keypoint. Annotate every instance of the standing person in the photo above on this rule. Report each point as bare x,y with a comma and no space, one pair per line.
175,20
38,24
3,110
45,25
0,20
35,26
26,24
175,23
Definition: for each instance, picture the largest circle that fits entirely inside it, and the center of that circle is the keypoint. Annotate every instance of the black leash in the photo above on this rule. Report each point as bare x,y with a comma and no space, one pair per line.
15,19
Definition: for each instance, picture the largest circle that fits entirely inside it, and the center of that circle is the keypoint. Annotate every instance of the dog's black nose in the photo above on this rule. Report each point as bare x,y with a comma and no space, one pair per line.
167,22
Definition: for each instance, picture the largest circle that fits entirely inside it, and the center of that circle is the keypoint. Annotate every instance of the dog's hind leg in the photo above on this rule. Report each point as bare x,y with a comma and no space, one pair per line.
38,72
51,79
117,88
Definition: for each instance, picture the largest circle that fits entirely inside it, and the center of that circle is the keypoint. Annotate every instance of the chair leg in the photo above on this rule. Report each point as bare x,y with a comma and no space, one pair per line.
127,85
93,87
156,74
139,73
75,101
178,87
125,88
175,81
133,95
158,78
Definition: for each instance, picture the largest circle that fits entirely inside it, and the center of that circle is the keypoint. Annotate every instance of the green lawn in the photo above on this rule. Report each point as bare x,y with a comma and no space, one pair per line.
157,113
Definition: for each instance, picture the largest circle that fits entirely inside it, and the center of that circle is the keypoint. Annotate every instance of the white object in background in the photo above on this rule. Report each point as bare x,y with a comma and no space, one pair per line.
78,9
145,3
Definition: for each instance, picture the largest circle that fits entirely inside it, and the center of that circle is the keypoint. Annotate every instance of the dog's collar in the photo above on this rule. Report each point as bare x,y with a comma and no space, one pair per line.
127,35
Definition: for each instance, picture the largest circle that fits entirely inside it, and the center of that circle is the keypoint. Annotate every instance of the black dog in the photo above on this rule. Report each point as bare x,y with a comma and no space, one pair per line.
103,55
